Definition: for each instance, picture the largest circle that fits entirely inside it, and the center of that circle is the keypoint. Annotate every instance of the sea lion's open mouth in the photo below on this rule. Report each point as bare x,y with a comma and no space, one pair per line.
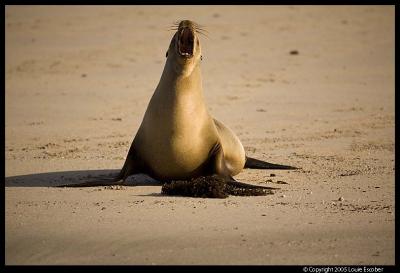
186,42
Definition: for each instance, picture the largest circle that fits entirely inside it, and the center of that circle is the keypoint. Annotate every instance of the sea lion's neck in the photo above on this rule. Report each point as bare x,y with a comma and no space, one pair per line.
178,98
179,82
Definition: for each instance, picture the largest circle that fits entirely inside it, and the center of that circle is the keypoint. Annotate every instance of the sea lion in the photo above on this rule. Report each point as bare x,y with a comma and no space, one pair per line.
178,139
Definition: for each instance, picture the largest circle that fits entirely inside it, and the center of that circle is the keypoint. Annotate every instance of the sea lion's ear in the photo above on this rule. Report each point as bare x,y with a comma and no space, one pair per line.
166,54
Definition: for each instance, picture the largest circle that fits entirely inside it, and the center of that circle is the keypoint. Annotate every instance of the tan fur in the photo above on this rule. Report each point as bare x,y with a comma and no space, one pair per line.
177,132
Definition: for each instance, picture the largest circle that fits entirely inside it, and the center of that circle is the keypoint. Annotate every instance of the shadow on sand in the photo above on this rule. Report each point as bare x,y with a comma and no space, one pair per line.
55,179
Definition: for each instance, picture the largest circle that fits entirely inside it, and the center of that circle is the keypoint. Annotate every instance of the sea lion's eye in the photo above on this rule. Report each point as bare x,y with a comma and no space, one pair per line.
201,57
166,54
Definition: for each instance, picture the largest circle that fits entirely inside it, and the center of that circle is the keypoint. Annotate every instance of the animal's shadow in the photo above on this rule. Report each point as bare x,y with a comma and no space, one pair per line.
54,179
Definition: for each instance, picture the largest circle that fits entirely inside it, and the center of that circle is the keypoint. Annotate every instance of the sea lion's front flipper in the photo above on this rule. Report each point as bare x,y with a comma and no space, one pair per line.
133,165
252,163
97,181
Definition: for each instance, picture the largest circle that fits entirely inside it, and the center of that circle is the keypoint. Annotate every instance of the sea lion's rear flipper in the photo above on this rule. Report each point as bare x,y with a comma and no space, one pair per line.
236,184
213,186
252,163
220,168
234,187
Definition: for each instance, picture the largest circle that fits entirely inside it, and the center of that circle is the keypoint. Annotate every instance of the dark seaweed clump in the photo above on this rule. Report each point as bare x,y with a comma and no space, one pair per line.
209,187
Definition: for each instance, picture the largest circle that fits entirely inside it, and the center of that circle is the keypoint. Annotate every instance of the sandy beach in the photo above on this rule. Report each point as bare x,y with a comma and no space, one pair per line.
308,86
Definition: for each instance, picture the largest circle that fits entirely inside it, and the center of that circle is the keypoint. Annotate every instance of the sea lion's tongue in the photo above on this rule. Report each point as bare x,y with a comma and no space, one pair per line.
186,42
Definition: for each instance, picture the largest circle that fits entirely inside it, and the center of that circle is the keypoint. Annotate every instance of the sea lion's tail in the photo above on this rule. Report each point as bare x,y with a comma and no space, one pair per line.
252,163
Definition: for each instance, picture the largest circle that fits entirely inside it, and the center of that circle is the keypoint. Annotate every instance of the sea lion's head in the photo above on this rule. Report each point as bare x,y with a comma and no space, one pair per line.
185,50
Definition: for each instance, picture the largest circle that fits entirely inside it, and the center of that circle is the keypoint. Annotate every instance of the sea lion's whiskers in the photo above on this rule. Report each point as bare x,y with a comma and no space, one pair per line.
196,29
200,27
197,25
176,23
191,23
202,33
